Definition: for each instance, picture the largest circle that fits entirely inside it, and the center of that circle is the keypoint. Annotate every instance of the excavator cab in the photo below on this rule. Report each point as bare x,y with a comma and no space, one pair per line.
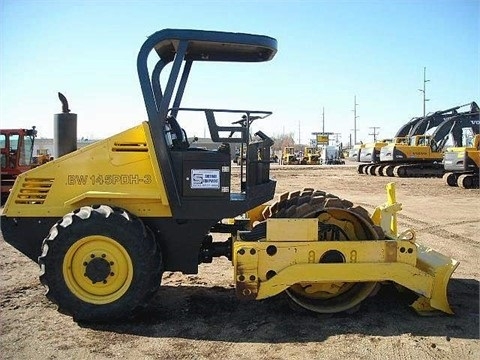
462,163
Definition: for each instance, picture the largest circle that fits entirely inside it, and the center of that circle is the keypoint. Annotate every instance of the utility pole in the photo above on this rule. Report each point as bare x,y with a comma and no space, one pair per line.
354,131
355,119
375,133
424,90
337,136
323,119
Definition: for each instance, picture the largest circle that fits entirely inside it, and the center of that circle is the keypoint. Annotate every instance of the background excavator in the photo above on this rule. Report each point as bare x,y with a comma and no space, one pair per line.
354,152
370,152
422,156
105,221
462,164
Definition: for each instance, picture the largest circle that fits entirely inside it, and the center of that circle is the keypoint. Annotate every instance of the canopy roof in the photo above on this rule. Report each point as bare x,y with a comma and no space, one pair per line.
214,45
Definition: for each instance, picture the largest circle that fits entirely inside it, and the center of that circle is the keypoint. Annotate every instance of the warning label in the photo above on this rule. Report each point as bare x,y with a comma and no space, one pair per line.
205,179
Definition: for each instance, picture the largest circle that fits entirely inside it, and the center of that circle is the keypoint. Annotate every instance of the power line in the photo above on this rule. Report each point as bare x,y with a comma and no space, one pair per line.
355,119
375,133
424,89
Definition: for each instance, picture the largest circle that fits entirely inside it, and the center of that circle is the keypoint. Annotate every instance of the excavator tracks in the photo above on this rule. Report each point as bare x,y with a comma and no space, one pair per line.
402,170
466,181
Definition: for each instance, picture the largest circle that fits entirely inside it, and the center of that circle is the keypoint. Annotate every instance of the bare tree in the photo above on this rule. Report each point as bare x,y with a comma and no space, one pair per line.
282,141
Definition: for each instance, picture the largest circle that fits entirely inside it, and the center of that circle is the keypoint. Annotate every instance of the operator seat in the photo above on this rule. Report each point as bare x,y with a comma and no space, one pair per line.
175,136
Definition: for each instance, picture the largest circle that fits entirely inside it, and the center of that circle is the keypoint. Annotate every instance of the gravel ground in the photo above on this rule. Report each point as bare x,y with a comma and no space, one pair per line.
199,317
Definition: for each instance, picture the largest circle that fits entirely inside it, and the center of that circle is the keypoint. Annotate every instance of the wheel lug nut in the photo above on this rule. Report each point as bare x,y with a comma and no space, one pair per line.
92,256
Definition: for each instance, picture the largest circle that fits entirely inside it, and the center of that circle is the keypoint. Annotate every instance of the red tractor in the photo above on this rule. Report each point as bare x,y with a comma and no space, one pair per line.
16,155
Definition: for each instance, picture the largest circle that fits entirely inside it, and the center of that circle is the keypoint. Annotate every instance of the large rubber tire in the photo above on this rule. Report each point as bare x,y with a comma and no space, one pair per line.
100,264
309,204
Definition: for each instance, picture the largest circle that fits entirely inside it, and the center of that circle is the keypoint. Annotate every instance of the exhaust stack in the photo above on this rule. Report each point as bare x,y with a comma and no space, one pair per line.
64,130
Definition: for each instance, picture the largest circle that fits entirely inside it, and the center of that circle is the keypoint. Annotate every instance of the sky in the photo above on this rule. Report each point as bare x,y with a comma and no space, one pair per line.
329,52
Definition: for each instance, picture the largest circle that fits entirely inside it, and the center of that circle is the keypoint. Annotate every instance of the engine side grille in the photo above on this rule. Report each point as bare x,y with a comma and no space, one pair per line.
34,191
130,147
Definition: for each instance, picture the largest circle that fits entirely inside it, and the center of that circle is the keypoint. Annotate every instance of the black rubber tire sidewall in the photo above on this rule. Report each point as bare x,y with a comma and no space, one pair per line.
139,244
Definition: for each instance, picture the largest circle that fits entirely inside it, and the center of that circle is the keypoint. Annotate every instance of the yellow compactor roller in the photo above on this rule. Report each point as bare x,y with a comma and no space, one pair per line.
104,222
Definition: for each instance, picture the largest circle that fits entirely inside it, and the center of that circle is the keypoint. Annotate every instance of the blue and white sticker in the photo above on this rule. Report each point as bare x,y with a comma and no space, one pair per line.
205,179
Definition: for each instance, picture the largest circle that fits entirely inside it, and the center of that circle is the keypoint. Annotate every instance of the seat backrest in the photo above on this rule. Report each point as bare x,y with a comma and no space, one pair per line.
175,136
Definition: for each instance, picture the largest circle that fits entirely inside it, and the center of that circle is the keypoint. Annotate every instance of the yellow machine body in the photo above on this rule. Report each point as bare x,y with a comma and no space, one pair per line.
418,149
120,170
291,254
462,164
106,221
289,157
311,156
462,157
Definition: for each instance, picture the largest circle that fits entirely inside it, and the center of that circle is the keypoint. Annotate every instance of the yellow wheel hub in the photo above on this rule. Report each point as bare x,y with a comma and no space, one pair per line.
97,269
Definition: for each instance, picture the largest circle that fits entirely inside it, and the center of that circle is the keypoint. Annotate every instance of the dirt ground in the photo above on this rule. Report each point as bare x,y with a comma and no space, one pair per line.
199,317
